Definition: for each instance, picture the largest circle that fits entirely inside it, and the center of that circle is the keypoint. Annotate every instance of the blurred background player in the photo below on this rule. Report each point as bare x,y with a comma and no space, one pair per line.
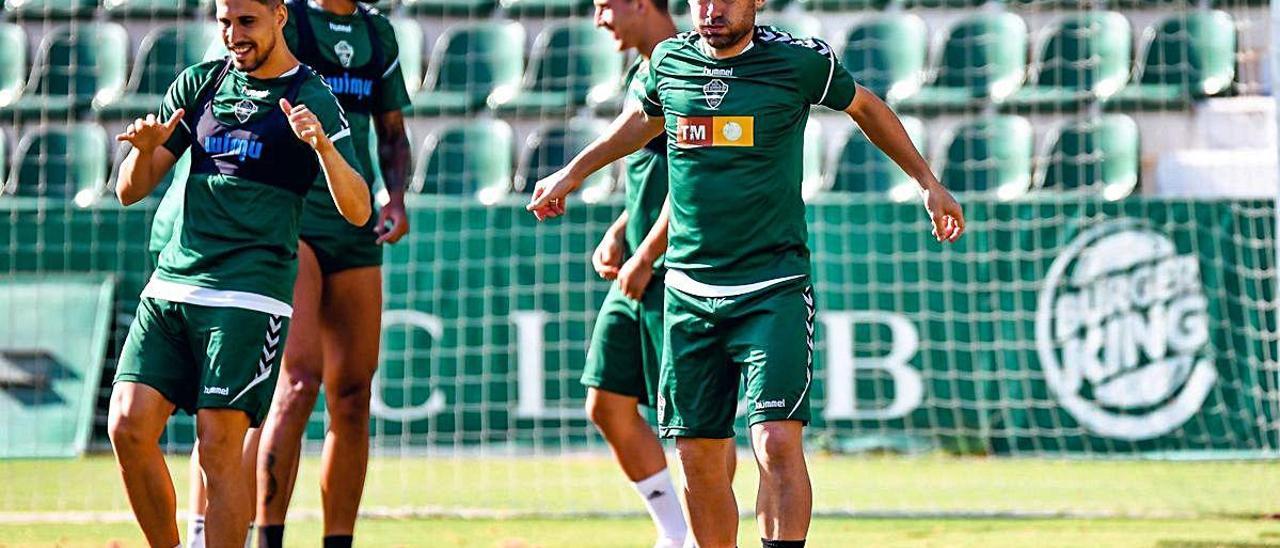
735,99
338,293
261,127
622,360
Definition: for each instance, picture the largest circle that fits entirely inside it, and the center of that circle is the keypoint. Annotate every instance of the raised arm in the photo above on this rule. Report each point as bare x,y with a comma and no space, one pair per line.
147,163
394,158
885,130
350,192
626,134
636,272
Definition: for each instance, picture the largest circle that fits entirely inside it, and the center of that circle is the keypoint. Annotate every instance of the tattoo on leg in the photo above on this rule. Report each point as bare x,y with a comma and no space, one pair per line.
272,486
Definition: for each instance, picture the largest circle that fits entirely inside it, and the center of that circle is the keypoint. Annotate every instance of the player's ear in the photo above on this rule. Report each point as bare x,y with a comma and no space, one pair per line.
282,14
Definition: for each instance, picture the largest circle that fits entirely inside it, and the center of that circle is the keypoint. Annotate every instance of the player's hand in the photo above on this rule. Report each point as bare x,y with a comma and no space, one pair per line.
634,277
608,256
305,125
147,134
394,214
944,211
549,194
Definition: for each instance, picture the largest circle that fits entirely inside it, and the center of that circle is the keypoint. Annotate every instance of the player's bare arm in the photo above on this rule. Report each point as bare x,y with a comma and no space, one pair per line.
626,134
394,157
634,276
607,257
147,163
885,130
350,193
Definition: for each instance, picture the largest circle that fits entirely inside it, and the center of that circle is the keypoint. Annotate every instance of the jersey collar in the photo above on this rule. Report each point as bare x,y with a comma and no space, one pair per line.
709,52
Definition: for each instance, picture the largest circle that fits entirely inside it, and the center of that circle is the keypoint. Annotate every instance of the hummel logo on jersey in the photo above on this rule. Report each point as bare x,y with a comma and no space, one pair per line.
345,52
714,93
233,146
244,109
771,404
255,93
221,391
350,85
707,71
339,28
715,131
654,494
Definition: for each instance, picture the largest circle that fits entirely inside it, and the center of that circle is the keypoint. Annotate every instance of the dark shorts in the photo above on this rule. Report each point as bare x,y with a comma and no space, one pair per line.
624,354
713,345
338,245
204,357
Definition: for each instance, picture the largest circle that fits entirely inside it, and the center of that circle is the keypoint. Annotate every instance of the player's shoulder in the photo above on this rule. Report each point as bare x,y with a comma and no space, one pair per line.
790,46
195,76
314,88
675,43
383,28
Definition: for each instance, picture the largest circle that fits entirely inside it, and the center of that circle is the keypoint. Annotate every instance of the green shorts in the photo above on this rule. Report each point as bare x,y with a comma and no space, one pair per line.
203,357
338,245
624,354
764,338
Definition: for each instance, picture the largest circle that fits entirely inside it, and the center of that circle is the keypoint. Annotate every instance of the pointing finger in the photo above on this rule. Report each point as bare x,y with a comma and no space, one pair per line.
175,119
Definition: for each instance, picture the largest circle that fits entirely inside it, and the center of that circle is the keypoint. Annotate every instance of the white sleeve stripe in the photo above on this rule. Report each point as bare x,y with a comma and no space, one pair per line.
830,72
393,66
346,132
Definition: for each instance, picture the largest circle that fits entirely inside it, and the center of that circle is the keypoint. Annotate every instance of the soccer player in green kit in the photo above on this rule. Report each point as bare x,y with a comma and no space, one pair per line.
212,320
733,100
622,360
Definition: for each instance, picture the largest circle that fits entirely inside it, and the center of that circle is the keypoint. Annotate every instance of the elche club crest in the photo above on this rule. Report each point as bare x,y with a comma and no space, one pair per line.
245,109
1122,332
714,92
345,52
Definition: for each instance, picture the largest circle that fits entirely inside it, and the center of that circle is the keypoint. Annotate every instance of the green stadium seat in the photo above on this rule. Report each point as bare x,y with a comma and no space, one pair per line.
1095,155
466,158
151,8
164,53
1084,57
983,59
799,25
551,147
13,62
76,65
572,64
842,5
1185,57
409,40
887,54
991,154
469,62
450,8
860,167
65,161
944,4
547,8
35,10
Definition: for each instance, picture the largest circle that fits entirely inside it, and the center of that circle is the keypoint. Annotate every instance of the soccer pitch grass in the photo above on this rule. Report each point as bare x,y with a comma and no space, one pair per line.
560,501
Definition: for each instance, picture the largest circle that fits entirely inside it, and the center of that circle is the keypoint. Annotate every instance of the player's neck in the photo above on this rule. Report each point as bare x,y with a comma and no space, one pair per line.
280,62
655,32
339,7
732,51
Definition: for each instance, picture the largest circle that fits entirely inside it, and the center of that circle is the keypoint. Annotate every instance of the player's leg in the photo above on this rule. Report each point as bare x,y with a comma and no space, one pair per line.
197,498
773,342
136,418
221,434
157,372
351,327
698,392
295,397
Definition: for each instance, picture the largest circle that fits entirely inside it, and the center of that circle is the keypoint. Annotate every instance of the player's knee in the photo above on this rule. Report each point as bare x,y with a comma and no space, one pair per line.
701,457
301,391
600,412
349,401
778,447
125,432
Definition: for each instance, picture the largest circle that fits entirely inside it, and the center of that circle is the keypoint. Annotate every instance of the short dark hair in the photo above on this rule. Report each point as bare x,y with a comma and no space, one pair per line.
270,3
660,4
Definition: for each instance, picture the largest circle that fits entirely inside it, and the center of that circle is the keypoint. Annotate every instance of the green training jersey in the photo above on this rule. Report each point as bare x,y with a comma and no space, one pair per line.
234,240
347,41
735,134
645,171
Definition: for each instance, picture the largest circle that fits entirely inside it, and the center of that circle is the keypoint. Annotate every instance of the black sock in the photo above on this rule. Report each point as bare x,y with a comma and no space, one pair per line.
765,543
271,536
337,541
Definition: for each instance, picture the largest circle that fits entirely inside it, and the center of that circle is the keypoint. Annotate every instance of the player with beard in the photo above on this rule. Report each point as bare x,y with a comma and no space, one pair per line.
261,128
734,99
335,330
622,360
